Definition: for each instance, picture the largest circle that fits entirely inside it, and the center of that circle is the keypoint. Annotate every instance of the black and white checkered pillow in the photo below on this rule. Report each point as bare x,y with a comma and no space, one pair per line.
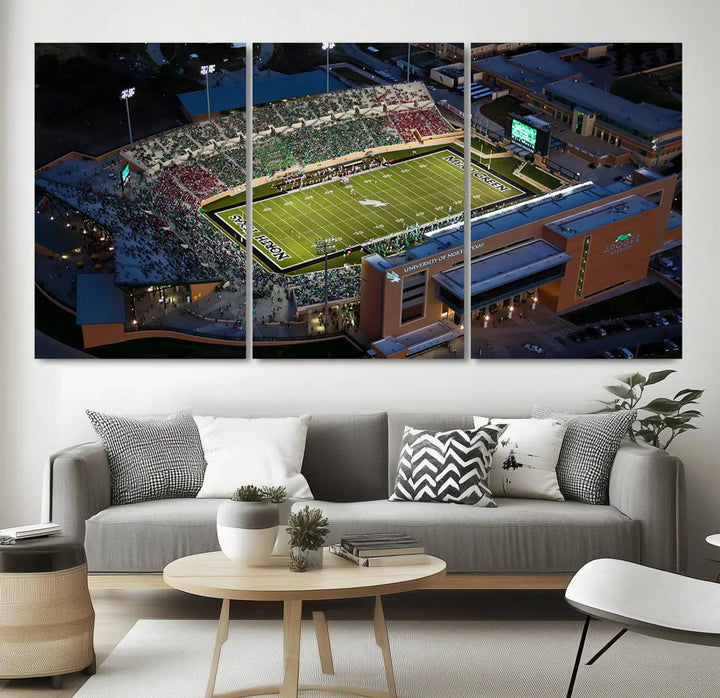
151,458
588,451
446,466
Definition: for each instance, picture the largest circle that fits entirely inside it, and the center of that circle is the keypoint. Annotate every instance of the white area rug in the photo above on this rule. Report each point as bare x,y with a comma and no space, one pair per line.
435,659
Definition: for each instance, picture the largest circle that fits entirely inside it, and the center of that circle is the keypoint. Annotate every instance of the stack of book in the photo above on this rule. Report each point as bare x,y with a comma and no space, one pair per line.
31,531
380,549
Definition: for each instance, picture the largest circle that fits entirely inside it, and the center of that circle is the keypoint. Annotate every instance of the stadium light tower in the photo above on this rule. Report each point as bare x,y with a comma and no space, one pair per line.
327,47
126,94
408,63
206,70
323,246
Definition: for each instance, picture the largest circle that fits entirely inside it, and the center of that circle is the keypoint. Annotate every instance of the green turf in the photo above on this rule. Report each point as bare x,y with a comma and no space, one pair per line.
669,77
498,109
542,177
419,190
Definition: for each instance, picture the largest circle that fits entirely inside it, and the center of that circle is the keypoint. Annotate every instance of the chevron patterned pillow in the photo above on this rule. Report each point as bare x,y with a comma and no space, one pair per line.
446,466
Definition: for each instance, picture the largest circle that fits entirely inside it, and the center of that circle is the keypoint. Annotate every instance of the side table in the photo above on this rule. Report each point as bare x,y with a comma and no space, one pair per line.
47,616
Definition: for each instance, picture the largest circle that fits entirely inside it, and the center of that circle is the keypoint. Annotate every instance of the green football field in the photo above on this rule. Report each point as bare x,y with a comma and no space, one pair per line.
370,206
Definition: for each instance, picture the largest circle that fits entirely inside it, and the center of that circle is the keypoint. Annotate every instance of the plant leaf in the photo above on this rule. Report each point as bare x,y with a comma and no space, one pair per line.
620,390
657,376
636,379
662,405
687,396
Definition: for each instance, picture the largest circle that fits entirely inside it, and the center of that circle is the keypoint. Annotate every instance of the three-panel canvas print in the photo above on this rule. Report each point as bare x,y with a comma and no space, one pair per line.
337,221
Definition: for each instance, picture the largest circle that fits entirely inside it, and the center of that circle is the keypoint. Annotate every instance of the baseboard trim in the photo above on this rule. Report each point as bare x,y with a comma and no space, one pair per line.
450,581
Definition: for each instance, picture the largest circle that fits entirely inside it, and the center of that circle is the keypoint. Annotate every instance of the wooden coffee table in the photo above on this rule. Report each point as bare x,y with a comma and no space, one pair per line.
215,576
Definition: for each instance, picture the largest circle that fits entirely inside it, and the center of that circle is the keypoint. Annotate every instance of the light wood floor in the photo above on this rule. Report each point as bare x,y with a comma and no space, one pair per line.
116,611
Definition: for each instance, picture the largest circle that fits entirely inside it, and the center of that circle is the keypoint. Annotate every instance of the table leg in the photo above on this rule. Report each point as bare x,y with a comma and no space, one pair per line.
292,614
222,635
323,642
381,637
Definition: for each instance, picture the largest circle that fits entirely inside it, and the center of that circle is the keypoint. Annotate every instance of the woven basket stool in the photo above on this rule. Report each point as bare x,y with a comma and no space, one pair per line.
46,616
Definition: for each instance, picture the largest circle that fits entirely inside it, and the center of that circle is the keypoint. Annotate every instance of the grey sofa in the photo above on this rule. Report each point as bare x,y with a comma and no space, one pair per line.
350,463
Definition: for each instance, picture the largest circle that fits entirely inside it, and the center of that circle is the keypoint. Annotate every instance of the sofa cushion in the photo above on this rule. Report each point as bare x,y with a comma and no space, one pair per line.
521,535
152,457
396,424
523,464
346,457
146,536
446,466
262,451
588,451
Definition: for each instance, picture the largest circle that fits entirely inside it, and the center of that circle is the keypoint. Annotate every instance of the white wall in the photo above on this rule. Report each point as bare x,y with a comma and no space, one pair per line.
43,402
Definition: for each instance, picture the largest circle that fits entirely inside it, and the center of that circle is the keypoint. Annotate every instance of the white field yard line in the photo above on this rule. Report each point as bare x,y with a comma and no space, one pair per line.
331,204
419,201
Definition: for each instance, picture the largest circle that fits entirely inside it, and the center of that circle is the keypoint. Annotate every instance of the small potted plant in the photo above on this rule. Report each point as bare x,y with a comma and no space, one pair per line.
306,529
278,496
247,524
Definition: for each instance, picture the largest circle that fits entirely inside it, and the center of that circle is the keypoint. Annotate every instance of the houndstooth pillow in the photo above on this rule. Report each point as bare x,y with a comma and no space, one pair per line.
446,466
588,451
151,458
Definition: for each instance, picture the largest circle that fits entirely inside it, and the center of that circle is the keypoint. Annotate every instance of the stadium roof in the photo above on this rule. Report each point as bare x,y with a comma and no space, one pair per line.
56,237
264,90
546,65
504,267
529,70
646,118
586,221
99,300
547,206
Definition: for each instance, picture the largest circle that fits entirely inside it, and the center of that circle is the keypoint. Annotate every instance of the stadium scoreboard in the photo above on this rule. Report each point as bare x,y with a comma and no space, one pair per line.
528,131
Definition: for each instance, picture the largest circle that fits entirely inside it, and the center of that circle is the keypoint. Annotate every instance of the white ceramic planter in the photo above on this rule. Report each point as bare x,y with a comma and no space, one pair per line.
247,531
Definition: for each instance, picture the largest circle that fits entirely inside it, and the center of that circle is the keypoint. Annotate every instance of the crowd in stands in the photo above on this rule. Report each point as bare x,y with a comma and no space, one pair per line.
158,234
427,122
196,180
397,243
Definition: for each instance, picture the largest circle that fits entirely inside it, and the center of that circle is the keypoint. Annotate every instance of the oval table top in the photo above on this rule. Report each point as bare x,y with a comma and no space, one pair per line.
215,576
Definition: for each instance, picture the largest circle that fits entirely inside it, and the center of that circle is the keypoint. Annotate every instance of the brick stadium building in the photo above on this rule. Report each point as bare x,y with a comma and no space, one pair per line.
648,134
566,248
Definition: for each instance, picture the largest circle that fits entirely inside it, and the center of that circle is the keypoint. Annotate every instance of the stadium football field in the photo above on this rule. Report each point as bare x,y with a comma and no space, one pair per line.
369,206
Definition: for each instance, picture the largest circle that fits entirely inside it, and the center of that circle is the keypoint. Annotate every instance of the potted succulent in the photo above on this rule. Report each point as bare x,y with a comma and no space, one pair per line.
278,496
306,529
247,524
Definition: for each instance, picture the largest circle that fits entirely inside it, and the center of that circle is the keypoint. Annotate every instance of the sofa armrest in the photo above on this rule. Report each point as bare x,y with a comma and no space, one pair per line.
78,481
646,484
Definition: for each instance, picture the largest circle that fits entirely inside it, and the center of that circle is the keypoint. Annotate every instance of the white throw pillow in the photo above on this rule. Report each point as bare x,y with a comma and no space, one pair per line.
523,464
253,452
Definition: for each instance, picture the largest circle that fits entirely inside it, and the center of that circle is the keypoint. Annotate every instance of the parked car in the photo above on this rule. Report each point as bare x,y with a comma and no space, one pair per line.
626,352
534,347
670,345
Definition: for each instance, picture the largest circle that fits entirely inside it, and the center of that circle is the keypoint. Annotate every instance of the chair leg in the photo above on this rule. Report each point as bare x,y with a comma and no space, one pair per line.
578,657
608,646
56,682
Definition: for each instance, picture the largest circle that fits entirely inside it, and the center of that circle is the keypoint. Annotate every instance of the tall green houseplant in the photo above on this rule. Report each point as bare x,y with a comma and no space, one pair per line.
660,420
